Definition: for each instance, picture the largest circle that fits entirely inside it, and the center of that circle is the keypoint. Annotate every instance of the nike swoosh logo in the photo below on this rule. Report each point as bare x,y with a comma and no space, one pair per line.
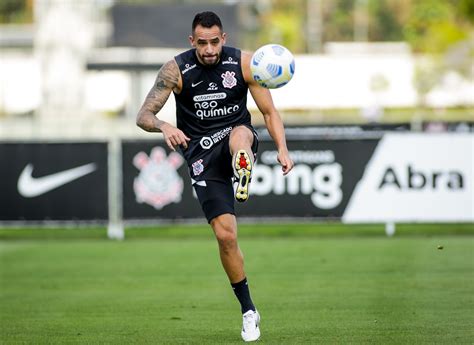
30,187
194,85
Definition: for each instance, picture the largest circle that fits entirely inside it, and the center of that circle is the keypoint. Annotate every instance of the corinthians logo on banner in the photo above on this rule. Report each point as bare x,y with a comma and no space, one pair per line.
158,183
416,177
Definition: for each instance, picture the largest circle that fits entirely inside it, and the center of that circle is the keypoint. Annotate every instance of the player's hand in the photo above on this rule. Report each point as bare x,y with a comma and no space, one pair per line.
174,137
285,161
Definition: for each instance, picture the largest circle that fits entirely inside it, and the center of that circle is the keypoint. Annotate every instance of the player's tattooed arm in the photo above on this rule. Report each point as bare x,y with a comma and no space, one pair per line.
168,79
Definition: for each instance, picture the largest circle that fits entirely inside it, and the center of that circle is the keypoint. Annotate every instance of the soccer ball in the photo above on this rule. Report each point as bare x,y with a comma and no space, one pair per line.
272,66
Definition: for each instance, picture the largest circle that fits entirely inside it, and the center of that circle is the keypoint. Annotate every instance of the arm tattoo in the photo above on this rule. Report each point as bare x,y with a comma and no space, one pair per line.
165,82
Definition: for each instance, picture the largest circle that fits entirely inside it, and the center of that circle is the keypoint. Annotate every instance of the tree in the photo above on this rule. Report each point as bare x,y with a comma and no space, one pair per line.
16,11
432,26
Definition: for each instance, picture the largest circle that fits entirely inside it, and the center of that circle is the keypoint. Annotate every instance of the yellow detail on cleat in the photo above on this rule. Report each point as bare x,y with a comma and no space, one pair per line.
243,170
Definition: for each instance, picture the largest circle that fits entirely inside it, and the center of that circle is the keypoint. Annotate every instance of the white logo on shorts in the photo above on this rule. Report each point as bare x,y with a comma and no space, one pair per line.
206,143
198,167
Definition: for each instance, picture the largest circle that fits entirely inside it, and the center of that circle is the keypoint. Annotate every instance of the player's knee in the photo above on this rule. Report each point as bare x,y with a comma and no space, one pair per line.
241,134
226,235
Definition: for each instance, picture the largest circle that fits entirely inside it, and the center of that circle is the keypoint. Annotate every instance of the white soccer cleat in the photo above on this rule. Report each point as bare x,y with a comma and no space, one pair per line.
250,326
242,170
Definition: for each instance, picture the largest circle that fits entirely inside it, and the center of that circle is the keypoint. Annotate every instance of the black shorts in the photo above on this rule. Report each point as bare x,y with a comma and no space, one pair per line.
214,182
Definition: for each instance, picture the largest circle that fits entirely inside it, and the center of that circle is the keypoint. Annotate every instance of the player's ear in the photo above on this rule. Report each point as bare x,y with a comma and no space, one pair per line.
223,37
191,40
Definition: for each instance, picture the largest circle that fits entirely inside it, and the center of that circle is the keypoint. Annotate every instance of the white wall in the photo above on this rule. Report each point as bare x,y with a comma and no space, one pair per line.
344,82
320,82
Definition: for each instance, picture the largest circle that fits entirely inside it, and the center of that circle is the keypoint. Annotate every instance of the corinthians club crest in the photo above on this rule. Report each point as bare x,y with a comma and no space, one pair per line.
158,183
228,79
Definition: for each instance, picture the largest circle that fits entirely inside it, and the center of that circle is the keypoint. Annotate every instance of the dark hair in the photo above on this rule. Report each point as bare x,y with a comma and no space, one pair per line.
207,19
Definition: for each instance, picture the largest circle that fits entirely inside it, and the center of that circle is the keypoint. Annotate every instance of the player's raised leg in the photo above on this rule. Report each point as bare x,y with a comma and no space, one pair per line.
240,142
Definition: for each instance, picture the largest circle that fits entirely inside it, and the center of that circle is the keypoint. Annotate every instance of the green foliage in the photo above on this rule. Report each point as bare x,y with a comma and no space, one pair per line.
442,36
338,20
432,27
465,8
14,11
384,20
429,26
284,25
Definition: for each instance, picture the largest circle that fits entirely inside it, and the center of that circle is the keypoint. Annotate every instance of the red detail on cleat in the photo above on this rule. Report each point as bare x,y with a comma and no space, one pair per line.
243,161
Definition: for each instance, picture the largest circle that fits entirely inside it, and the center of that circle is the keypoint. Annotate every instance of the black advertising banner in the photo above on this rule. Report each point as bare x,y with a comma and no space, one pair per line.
53,181
320,184
156,183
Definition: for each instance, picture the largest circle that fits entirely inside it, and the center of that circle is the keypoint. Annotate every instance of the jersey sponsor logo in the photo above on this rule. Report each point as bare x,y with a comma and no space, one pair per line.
212,87
196,84
228,79
211,109
30,187
158,183
187,68
207,142
209,97
198,167
230,61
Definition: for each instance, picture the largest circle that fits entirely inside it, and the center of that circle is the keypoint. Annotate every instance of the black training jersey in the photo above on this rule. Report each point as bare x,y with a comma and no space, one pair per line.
213,99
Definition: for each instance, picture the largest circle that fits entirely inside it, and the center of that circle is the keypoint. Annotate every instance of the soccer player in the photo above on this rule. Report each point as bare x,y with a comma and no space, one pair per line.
214,133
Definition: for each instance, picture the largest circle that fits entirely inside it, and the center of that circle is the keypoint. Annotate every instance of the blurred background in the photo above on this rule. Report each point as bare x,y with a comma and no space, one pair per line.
370,238
81,69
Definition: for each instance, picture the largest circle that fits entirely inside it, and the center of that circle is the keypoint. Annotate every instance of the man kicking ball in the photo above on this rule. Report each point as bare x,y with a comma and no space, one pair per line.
215,135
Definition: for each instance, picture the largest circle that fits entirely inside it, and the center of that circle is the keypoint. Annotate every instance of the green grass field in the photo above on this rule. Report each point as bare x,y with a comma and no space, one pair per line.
312,283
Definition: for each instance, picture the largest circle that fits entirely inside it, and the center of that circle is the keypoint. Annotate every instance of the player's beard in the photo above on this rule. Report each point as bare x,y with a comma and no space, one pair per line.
210,60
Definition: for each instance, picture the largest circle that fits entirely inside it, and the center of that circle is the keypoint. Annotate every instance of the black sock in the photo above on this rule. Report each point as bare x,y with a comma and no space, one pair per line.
241,290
